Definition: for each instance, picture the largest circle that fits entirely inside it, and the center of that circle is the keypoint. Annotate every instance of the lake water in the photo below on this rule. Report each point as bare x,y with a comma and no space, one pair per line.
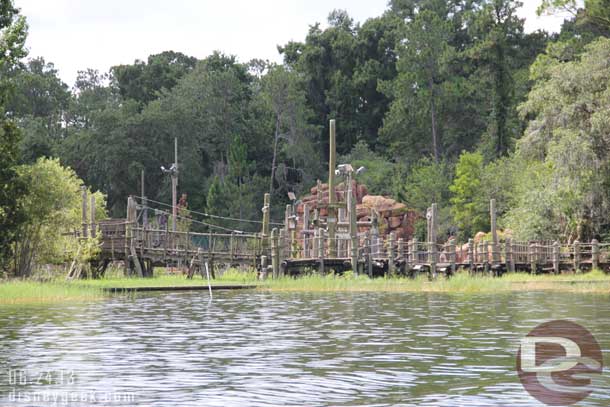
267,349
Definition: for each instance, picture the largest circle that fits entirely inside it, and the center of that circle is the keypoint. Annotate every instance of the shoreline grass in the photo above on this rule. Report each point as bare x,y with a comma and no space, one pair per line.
60,291
594,283
18,292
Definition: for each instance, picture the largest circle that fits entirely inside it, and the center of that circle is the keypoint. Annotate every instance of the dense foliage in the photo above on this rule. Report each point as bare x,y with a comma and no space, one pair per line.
446,101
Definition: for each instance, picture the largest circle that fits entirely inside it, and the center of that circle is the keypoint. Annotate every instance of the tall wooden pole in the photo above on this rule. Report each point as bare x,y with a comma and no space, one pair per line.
175,187
266,220
353,224
494,232
144,201
332,196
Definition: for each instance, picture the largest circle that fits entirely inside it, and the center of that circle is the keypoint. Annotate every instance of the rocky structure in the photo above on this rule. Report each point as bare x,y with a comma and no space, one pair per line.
391,216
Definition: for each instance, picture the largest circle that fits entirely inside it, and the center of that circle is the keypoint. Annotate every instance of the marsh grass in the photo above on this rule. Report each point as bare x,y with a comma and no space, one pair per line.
55,291
595,282
59,291
165,279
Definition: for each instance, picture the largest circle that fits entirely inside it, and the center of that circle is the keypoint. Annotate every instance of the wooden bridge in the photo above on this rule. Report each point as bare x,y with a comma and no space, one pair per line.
282,252
142,246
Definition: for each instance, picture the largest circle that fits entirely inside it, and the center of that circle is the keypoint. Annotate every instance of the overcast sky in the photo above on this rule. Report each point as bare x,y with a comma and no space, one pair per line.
79,34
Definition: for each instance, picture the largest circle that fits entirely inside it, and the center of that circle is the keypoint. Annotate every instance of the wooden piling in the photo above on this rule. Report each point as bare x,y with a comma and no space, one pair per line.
332,196
414,252
452,255
369,255
320,244
305,232
509,255
495,254
392,254
556,258
264,268
265,244
353,228
275,253
576,248
532,254
402,256
284,248
487,268
316,244
471,259
594,254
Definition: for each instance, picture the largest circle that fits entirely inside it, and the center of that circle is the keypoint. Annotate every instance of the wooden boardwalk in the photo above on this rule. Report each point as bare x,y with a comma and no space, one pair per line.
277,253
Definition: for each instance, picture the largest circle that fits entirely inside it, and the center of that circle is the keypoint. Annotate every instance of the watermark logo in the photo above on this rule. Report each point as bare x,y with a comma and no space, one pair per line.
558,361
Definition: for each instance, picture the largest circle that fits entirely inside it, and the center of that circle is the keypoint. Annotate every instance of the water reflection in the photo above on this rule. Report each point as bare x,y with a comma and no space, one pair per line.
262,349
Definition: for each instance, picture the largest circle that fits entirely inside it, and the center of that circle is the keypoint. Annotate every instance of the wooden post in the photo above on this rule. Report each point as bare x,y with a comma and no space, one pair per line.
495,254
144,202
287,216
452,255
231,246
84,210
471,259
305,232
353,227
369,255
316,244
93,225
174,176
432,249
594,254
556,258
332,212
266,224
576,256
263,275
392,254
402,256
508,254
321,250
488,269
533,258
275,253
284,249
415,252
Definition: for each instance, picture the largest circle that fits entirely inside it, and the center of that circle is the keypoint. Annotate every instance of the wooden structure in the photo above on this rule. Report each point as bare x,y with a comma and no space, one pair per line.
335,242
141,246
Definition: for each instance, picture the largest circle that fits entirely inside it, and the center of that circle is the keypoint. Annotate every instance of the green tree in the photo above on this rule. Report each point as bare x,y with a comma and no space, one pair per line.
53,208
426,183
13,31
282,92
499,32
568,134
469,210
144,81
342,66
418,89
38,104
379,171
